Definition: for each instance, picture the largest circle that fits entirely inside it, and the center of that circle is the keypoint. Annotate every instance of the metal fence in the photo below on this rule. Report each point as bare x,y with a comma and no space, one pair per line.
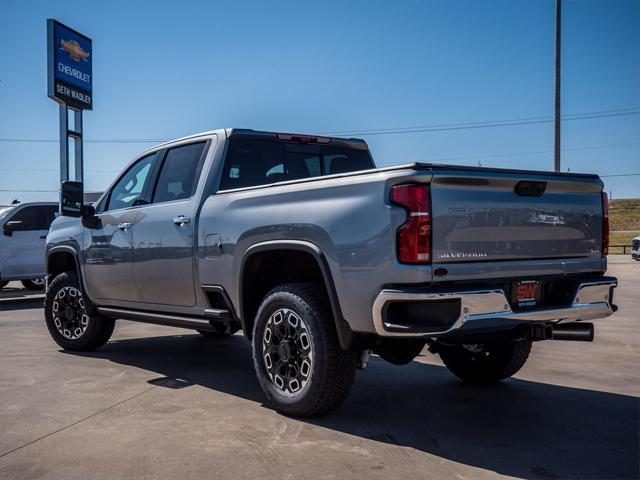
620,249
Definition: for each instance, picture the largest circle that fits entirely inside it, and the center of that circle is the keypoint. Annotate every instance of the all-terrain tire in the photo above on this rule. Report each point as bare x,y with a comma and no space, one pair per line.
33,284
486,363
71,324
330,369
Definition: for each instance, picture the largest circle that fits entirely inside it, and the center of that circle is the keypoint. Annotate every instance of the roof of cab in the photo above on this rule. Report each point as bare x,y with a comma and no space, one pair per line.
247,132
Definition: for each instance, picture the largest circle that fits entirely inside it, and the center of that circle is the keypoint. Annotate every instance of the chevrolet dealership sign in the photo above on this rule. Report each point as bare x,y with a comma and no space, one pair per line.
69,66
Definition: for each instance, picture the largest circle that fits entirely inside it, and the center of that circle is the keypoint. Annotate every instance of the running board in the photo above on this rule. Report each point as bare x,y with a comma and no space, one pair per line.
218,314
194,323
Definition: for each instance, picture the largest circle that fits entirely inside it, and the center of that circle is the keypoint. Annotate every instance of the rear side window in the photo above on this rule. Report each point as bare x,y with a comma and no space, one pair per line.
34,218
179,174
259,162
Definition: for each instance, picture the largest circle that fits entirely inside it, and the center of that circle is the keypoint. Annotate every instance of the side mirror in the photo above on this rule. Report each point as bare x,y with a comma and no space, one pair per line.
9,227
89,217
88,211
71,198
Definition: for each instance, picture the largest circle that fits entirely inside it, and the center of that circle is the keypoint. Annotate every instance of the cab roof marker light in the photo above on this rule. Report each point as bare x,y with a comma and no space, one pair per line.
292,137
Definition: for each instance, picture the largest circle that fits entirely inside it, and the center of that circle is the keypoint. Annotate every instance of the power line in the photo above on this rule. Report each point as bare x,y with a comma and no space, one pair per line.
106,140
28,191
622,175
56,170
486,124
391,131
539,152
596,114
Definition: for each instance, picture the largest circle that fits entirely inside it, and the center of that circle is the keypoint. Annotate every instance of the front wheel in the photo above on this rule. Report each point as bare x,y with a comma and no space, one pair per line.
70,322
34,284
485,363
299,363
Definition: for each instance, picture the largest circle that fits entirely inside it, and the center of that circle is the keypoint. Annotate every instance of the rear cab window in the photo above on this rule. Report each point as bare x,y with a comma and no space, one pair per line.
263,159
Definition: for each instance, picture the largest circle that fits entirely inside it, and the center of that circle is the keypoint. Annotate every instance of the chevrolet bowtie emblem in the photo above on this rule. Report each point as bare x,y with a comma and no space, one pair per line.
74,50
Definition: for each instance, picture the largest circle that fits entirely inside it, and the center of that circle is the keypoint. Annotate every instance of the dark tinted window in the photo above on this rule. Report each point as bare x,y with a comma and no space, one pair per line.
344,163
259,162
179,175
49,213
34,218
132,185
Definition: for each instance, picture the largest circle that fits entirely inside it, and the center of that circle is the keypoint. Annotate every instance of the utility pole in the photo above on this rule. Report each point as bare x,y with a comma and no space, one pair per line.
0,133
556,149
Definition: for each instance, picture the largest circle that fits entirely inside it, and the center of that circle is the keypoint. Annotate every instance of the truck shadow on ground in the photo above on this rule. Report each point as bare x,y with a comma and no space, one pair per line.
26,302
519,428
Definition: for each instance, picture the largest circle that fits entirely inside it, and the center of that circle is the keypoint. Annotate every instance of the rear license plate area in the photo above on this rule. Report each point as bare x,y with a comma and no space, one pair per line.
526,293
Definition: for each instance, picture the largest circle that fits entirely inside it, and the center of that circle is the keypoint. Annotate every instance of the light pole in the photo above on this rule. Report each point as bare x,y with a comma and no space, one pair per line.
556,149
1,135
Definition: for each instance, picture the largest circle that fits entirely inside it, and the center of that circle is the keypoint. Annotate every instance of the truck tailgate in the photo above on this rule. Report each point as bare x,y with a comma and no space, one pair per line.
490,214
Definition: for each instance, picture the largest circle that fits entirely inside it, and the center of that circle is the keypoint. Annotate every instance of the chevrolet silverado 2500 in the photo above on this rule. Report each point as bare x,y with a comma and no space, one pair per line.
319,258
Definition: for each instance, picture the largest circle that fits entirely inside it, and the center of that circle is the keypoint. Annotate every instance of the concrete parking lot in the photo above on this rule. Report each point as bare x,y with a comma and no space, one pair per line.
158,402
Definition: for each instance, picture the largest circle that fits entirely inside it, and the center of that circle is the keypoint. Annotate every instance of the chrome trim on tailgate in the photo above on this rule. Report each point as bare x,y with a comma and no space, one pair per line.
590,302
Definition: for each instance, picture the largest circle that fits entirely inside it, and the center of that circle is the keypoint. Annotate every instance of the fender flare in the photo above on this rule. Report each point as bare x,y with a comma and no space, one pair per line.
345,334
74,254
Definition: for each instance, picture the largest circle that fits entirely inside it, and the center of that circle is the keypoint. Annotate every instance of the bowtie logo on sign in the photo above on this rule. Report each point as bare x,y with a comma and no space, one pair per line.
74,50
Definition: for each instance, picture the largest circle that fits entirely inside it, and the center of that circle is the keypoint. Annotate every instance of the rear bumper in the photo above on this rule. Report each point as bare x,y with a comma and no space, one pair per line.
592,300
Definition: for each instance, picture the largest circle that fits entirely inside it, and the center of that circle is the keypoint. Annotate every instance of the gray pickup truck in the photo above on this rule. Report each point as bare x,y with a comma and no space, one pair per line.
320,258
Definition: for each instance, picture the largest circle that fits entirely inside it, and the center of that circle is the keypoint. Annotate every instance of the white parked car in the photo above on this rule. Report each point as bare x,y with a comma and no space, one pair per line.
635,248
23,230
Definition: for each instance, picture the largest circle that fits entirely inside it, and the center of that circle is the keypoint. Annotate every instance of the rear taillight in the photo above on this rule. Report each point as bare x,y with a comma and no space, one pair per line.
605,224
414,236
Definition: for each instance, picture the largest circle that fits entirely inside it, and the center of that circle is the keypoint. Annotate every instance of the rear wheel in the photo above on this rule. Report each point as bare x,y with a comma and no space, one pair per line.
34,284
70,322
485,363
3,284
299,363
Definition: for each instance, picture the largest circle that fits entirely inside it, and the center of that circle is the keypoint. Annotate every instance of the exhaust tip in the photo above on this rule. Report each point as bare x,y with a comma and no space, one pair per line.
575,331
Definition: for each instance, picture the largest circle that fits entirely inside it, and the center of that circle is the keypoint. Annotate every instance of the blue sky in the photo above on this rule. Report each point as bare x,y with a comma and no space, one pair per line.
167,69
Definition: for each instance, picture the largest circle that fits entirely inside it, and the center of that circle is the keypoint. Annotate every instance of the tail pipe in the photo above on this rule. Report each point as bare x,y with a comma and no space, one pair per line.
576,332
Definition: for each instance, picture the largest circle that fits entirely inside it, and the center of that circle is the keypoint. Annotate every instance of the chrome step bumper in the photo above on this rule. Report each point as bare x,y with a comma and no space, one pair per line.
591,301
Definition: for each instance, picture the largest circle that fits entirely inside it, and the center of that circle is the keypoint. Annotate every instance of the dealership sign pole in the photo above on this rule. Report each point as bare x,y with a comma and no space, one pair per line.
70,79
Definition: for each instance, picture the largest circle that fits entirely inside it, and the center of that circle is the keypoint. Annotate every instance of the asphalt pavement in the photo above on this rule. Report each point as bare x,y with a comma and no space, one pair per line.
159,402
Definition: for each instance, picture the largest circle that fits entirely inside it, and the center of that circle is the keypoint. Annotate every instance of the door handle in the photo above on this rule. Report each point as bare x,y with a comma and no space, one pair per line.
43,236
181,220
124,226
